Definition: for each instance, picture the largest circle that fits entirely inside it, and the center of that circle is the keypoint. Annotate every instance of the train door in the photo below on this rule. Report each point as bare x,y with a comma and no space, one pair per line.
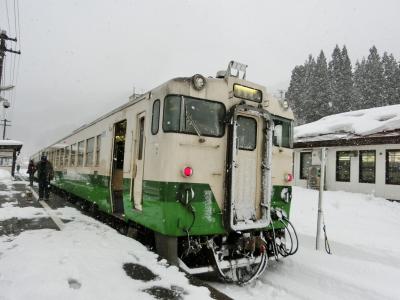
139,161
117,173
249,176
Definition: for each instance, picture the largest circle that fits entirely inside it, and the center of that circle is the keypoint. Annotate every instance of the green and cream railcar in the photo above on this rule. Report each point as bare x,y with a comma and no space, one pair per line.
202,162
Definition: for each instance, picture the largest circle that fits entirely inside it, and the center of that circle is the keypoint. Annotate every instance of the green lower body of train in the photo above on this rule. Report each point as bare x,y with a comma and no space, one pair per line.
162,211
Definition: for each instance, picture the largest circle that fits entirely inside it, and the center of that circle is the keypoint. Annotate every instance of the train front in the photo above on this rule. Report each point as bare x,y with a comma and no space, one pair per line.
231,145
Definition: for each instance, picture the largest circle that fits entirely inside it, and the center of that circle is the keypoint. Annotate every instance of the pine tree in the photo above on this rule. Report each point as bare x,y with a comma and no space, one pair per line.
359,85
319,90
374,78
296,91
308,97
391,85
346,83
334,71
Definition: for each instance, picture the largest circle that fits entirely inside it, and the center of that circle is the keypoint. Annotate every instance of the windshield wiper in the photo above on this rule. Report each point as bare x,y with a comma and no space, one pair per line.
194,125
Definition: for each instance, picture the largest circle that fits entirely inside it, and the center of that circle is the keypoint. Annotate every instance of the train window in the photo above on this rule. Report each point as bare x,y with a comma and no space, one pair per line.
283,133
172,112
89,151
57,158
61,157
343,166
141,137
73,154
367,166
155,117
98,147
66,161
246,133
80,154
193,116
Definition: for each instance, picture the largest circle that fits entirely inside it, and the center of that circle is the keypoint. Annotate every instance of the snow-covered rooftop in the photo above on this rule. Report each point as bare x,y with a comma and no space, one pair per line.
10,143
350,124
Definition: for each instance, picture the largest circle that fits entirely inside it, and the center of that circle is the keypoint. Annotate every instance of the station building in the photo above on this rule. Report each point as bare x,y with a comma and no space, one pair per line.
362,150
9,150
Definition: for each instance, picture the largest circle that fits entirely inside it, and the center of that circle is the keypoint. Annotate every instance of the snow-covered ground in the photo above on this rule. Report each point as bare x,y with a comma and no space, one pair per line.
364,234
85,259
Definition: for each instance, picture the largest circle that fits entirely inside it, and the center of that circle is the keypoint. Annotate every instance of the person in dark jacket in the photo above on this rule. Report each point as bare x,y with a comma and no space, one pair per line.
31,170
45,173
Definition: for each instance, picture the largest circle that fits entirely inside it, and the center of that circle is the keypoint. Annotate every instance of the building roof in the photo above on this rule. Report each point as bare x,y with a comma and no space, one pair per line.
366,124
10,143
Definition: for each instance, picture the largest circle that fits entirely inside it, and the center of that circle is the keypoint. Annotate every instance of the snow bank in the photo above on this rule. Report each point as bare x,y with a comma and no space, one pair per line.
361,122
364,236
355,219
5,175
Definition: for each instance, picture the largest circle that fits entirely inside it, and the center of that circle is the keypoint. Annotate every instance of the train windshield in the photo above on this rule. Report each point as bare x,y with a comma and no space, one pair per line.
193,116
283,132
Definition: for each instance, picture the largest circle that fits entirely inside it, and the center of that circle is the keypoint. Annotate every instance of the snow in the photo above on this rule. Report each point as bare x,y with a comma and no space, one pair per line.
5,176
363,232
360,123
10,143
83,261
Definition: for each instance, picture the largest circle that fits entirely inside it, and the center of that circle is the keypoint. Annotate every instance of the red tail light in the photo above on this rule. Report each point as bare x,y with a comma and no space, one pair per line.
187,171
288,177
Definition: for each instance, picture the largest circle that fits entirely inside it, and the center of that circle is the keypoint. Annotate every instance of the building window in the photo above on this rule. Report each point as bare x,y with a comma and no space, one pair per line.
89,151
73,154
80,154
367,166
156,117
392,166
305,164
98,146
343,166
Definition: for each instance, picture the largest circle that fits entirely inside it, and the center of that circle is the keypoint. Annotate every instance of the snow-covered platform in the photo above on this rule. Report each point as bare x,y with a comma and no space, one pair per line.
81,259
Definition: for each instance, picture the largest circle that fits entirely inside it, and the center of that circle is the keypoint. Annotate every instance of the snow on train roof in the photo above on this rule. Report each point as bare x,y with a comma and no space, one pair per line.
10,143
350,124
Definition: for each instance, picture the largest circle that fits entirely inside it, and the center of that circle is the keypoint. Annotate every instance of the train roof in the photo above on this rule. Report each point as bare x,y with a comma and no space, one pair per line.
135,98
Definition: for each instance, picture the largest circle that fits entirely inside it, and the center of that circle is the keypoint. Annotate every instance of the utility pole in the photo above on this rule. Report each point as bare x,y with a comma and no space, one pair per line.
320,197
3,50
5,121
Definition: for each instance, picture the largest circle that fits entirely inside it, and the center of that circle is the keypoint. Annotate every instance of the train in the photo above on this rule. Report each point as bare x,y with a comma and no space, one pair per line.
201,165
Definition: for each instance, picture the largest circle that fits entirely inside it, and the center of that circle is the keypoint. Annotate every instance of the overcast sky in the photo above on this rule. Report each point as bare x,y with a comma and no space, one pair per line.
82,58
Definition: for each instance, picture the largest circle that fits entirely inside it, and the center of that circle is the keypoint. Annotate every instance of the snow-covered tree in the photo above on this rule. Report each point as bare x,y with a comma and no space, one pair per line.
374,80
391,84
346,83
319,90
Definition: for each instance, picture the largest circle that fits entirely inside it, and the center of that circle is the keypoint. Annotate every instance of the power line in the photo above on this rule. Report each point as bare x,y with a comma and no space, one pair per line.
8,17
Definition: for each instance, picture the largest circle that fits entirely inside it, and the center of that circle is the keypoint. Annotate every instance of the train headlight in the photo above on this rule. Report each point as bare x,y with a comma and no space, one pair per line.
198,81
187,172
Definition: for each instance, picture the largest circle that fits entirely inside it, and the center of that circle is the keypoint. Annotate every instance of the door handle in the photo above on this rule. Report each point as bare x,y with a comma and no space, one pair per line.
134,170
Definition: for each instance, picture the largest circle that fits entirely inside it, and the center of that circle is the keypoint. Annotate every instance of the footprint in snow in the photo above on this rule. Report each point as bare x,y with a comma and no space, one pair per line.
139,272
175,293
74,284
